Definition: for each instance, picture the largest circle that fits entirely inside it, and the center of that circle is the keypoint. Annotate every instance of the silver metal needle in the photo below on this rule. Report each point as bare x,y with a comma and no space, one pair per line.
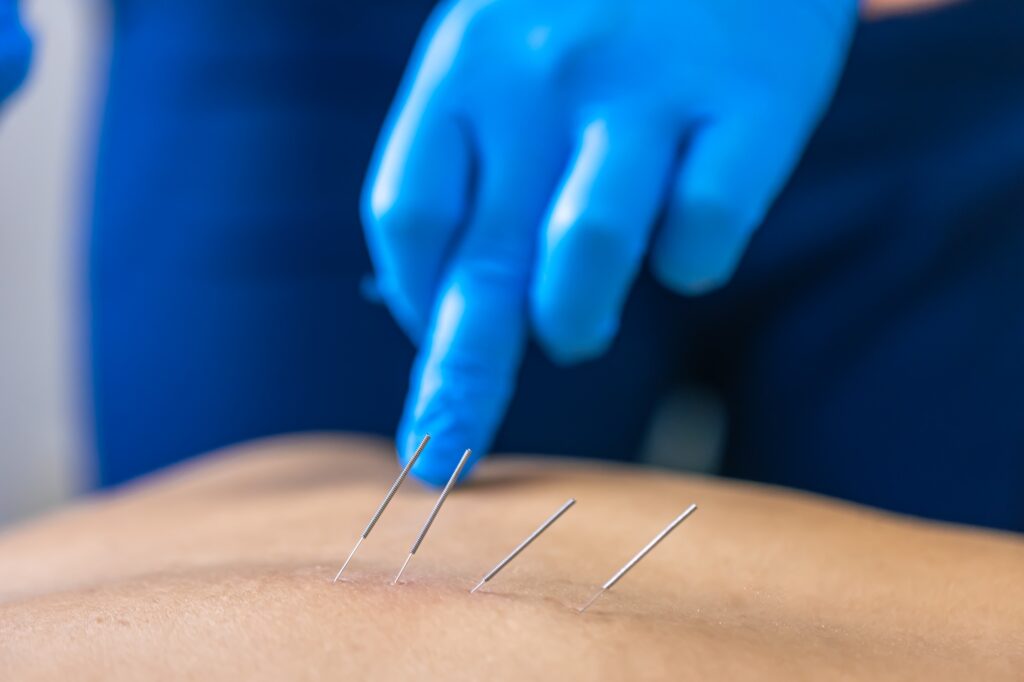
402,569
640,555
348,559
433,513
524,544
383,505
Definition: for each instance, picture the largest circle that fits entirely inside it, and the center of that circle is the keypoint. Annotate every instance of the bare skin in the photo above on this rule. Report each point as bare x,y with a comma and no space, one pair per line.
221,569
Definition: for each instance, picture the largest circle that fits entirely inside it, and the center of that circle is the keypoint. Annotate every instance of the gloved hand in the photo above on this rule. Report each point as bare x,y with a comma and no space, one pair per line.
15,49
532,149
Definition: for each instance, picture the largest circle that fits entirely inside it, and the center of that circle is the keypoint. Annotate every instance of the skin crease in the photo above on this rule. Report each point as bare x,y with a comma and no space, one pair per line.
221,569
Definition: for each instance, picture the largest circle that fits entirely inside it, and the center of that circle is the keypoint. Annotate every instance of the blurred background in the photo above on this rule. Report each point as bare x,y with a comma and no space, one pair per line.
45,148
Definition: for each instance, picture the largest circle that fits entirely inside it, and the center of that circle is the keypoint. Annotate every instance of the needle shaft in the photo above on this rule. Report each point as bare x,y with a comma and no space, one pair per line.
394,486
640,555
384,503
434,512
348,559
524,544
402,569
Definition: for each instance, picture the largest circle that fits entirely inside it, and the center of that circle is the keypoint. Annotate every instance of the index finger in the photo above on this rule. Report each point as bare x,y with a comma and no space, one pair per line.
467,367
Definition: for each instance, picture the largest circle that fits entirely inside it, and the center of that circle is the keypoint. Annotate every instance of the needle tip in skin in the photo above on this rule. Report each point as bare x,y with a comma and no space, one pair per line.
478,586
350,555
592,600
402,570
384,504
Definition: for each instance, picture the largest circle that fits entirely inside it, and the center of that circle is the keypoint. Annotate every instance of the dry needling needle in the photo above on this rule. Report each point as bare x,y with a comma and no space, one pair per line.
524,544
433,513
384,504
640,555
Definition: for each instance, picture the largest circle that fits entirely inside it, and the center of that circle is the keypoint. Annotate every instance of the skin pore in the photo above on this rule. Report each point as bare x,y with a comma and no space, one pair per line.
221,569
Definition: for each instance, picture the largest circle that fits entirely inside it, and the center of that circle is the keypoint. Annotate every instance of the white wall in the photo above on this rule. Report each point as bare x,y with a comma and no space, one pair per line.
44,157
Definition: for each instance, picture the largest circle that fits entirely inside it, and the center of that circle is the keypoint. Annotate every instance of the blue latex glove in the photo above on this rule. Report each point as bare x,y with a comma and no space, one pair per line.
530,154
15,49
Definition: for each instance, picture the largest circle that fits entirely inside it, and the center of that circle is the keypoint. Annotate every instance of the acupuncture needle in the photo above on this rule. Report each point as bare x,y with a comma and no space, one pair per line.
384,504
640,555
433,513
524,544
